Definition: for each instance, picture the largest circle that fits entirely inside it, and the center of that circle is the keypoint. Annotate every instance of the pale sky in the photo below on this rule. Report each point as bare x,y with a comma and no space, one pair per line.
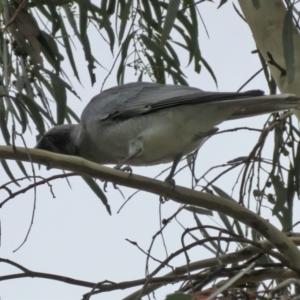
74,236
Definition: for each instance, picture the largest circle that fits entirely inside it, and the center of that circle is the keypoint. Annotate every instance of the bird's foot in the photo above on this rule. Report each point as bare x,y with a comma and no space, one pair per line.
171,181
127,169
163,199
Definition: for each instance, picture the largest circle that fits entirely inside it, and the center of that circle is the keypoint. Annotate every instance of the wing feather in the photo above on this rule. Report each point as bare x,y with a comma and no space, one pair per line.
133,99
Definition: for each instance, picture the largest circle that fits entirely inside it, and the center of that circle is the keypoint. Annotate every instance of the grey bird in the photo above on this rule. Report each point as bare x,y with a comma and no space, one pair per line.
143,124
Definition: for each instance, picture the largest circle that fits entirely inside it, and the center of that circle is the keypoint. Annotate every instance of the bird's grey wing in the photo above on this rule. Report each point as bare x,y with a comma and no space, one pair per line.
138,98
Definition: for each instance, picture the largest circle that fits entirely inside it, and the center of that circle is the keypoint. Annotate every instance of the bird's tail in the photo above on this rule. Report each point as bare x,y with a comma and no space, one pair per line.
254,106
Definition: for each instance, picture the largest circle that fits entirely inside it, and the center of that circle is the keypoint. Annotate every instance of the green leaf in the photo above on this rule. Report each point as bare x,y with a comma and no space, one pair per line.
89,58
140,78
209,69
67,44
291,188
148,12
198,210
106,24
172,10
221,3
111,7
173,53
193,13
60,97
156,7
85,42
83,20
205,233
297,170
177,78
8,172
288,44
226,221
231,281
3,122
159,70
23,115
238,228
96,189
125,45
221,193
124,16
71,19
189,44
23,170
34,110
157,51
190,29
50,50
281,194
54,15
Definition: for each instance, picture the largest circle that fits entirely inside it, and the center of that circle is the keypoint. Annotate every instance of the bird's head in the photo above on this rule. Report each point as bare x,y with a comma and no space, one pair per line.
59,139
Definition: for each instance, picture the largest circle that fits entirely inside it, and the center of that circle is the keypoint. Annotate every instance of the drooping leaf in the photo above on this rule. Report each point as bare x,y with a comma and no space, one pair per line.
65,37
157,51
124,16
281,194
173,6
60,97
55,20
221,193
106,24
90,59
209,69
125,45
231,281
205,234
22,168
157,10
148,12
50,50
83,18
297,170
111,7
96,189
221,3
8,172
198,210
34,110
3,122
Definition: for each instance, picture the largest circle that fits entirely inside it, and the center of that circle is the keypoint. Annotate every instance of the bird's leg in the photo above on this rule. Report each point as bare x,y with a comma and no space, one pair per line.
169,178
135,147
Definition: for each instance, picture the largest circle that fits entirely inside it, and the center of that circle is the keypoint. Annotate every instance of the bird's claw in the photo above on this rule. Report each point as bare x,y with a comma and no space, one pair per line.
163,199
125,169
171,181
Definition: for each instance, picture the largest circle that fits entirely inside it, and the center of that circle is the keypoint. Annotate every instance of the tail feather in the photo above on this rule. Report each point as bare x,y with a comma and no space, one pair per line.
264,105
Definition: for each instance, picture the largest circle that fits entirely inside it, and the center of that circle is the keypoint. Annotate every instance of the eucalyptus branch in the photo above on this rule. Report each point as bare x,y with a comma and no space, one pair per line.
178,194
